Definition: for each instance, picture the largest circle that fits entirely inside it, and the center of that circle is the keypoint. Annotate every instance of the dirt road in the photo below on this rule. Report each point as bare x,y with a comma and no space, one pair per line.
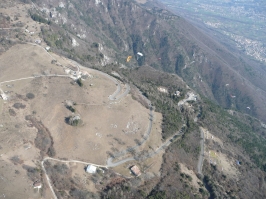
63,161
201,156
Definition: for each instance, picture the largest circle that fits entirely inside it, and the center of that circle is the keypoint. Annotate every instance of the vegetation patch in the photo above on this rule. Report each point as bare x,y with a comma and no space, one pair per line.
12,112
74,120
44,140
39,18
30,95
19,106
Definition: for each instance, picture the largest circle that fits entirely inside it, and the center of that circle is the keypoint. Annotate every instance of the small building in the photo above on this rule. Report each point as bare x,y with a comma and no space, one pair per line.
37,185
91,169
47,48
38,41
177,93
4,97
135,170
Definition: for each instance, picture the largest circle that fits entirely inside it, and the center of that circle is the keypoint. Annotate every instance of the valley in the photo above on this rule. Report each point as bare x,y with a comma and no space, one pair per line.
242,22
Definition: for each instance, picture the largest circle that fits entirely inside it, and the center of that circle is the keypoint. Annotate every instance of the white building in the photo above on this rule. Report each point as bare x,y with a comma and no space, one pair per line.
37,185
3,95
91,169
38,41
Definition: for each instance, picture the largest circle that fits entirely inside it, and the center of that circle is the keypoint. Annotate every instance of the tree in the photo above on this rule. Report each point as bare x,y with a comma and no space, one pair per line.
74,120
79,82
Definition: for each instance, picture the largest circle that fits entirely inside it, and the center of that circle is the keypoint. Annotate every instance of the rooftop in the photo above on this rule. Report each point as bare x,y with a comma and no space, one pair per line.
135,170
91,169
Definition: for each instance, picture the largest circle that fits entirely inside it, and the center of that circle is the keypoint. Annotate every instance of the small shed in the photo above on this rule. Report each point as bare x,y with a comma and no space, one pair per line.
135,170
91,169
38,41
37,185
3,96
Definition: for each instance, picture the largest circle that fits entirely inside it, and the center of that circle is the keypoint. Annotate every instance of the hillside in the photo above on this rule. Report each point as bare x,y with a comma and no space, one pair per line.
177,109
118,29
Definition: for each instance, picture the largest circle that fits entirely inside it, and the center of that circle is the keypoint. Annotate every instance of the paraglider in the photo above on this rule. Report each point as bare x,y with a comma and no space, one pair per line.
129,58
140,54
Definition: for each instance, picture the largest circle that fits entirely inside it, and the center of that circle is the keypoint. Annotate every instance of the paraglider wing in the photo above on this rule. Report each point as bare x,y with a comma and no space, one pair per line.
140,54
129,58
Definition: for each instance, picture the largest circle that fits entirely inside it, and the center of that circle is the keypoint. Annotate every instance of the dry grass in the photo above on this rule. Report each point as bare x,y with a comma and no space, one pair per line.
14,182
27,60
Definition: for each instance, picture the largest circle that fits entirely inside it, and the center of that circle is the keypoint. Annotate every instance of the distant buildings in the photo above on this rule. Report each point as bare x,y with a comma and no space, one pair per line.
135,170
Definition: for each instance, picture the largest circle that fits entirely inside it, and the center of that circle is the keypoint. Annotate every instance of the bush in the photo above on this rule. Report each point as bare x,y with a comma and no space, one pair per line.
12,112
16,160
79,82
32,172
19,106
79,194
40,19
30,96
71,109
74,120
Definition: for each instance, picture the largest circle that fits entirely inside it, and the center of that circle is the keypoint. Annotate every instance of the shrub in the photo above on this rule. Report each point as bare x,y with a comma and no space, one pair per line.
71,109
40,19
30,96
19,106
74,120
12,112
79,82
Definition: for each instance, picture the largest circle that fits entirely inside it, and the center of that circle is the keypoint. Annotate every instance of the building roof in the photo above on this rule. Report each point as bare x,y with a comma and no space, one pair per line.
3,96
91,169
135,170
37,185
